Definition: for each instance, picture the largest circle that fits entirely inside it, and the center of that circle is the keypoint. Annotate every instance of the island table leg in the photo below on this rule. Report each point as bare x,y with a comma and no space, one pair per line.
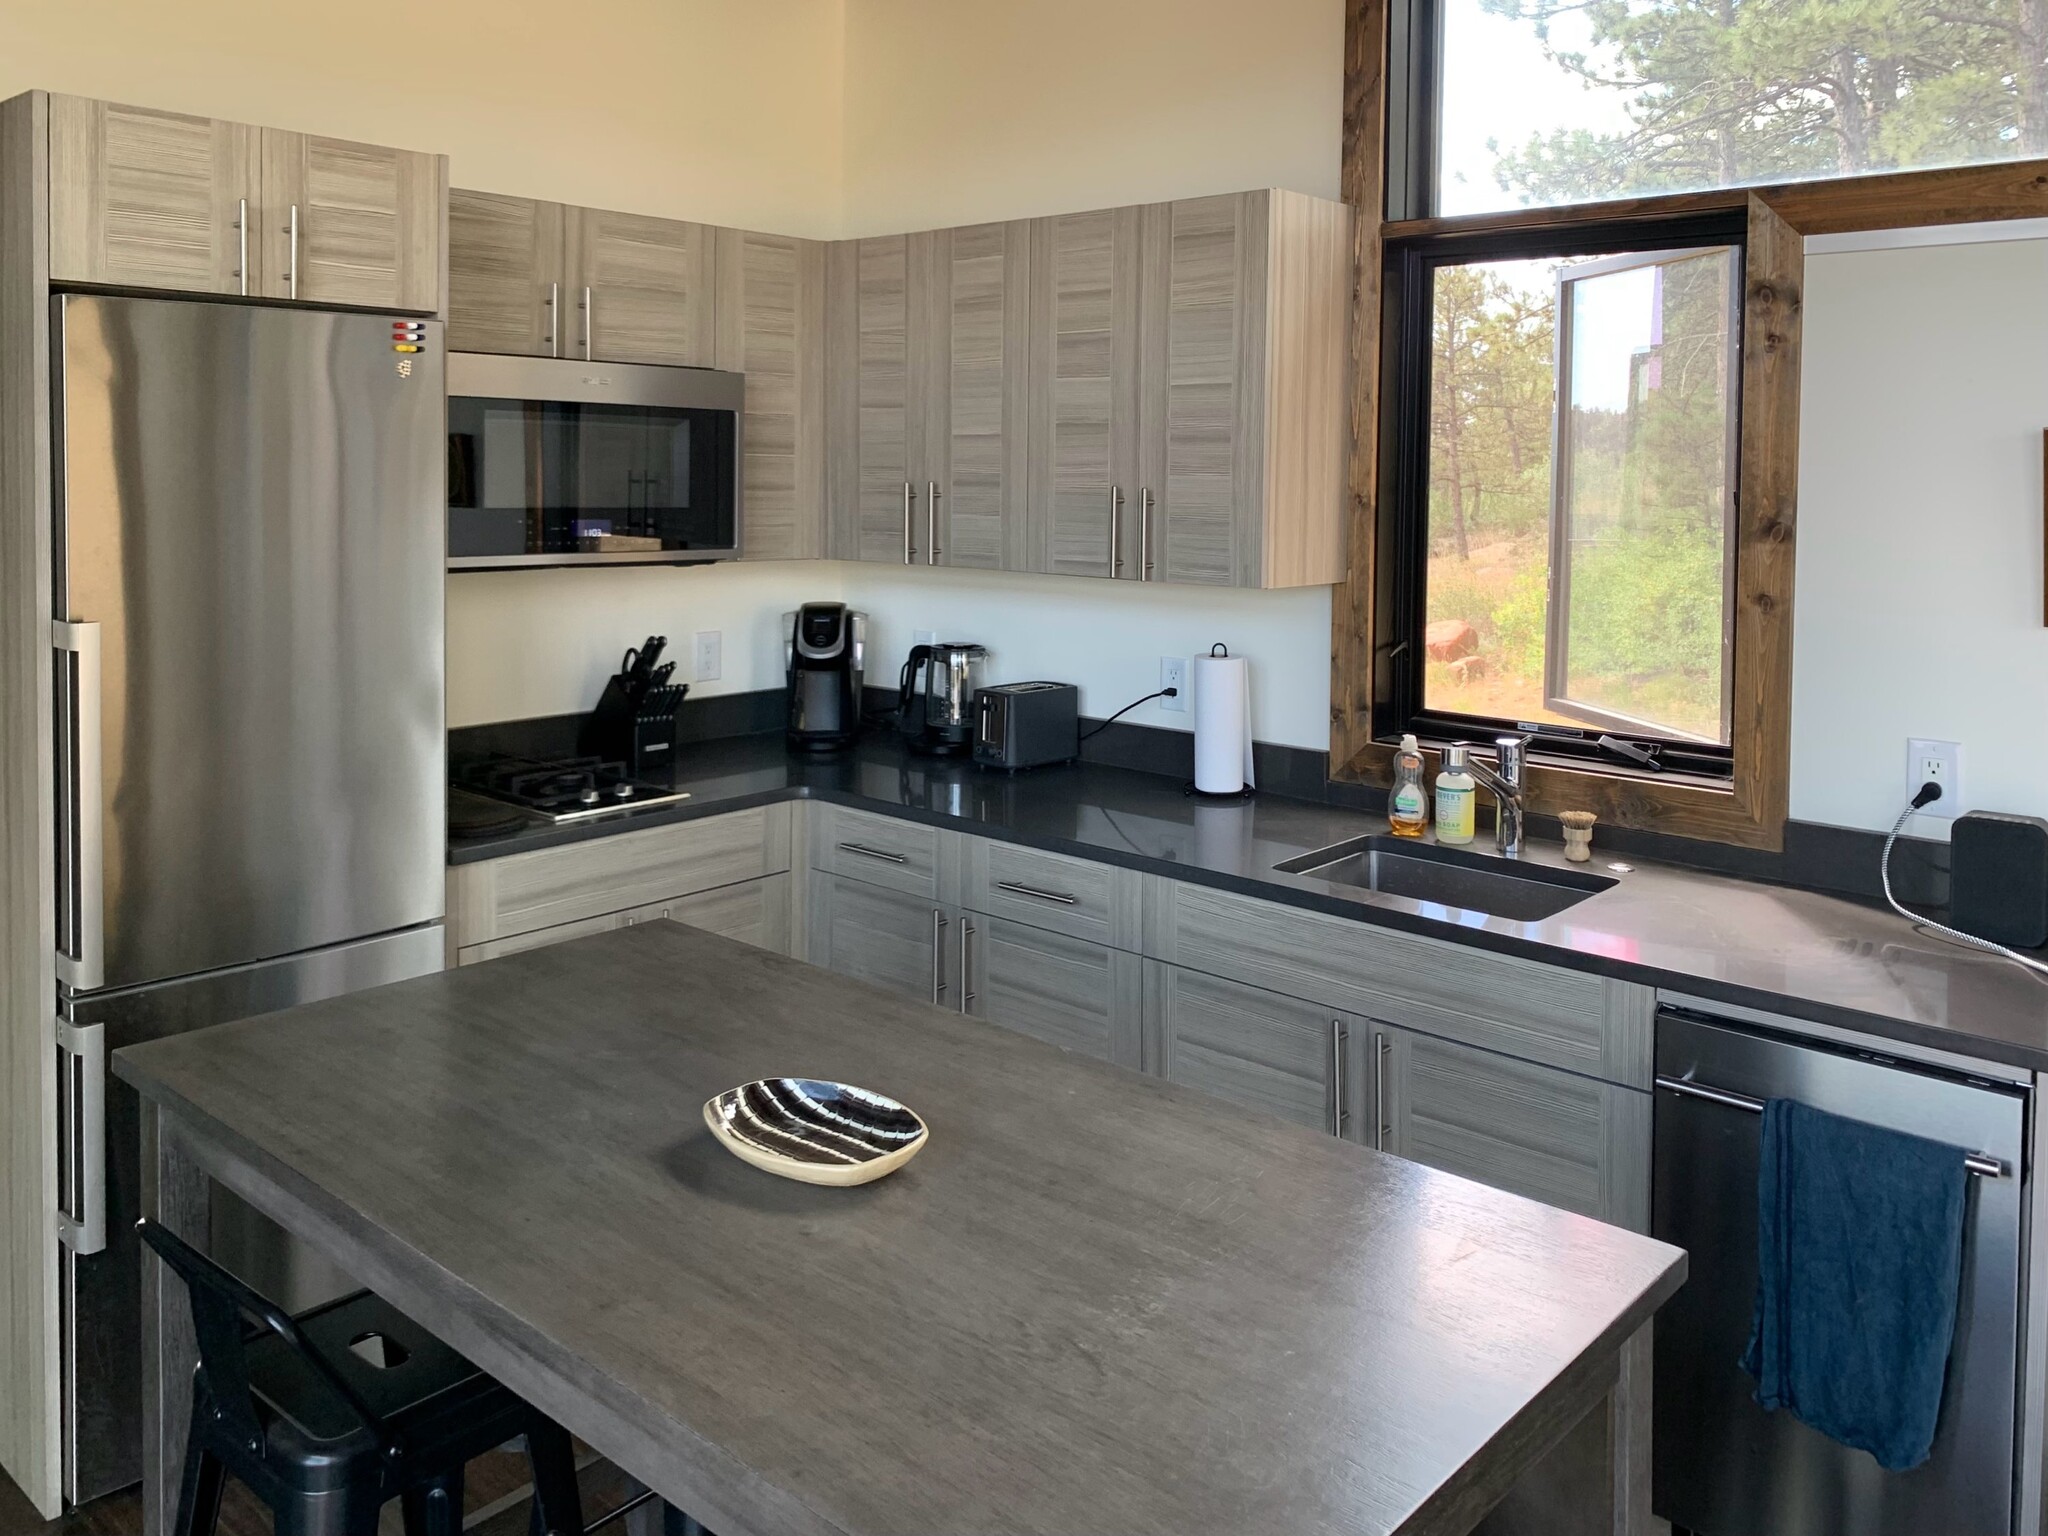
175,1193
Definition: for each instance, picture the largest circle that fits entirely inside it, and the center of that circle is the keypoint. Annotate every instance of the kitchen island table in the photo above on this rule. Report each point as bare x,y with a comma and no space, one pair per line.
1095,1302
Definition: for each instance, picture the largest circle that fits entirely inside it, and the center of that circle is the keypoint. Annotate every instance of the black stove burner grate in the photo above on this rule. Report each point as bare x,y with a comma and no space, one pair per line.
559,787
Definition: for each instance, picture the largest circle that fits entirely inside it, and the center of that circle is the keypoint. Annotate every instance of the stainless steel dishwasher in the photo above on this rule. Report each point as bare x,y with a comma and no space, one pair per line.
1723,1466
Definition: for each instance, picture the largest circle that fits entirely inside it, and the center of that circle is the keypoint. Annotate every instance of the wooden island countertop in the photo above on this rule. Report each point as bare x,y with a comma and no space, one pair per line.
1095,1302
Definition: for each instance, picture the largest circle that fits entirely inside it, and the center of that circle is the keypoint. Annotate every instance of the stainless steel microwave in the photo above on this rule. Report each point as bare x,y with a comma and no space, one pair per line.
553,461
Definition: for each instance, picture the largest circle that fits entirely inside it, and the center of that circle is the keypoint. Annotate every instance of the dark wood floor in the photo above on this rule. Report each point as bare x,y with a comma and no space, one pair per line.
495,1498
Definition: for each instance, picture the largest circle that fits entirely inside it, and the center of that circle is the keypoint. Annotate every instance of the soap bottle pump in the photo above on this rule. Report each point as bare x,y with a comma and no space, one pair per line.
1408,803
1456,797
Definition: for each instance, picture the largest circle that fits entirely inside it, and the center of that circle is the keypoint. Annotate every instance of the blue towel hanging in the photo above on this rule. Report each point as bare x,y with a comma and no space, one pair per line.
1859,1270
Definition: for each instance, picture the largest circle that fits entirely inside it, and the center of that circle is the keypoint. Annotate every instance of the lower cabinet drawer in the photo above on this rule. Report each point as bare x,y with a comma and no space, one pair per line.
538,938
1568,1141
1256,1048
754,912
499,898
877,850
1066,991
1053,891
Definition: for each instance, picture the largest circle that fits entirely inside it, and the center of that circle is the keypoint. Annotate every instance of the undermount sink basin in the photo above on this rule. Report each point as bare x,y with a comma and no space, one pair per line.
1506,888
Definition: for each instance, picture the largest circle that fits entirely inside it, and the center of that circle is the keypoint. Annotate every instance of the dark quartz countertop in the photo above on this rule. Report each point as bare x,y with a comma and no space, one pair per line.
1770,947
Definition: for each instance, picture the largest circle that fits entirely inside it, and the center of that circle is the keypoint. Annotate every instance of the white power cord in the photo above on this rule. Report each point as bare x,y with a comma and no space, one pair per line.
1884,870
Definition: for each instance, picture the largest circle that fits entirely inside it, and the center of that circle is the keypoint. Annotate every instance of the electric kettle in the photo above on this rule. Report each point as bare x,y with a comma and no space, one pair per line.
936,714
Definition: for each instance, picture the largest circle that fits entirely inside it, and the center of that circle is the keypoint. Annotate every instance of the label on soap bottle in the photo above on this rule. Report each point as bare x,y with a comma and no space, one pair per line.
1455,813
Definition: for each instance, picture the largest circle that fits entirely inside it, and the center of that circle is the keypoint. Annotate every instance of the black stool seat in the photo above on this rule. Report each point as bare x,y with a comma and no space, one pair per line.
329,1415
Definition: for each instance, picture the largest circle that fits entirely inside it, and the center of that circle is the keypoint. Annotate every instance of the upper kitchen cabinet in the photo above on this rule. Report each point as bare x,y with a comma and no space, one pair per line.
545,280
504,274
640,289
928,403
770,314
147,199
1191,406
1085,317
353,224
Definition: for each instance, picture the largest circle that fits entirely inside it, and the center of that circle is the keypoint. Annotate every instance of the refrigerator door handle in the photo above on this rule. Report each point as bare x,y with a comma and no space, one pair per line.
81,863
82,1216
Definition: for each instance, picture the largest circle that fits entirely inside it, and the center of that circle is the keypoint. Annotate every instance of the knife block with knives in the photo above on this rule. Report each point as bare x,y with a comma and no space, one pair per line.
635,719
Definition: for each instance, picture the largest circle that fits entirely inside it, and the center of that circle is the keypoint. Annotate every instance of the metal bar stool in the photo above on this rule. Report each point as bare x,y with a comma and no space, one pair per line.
329,1415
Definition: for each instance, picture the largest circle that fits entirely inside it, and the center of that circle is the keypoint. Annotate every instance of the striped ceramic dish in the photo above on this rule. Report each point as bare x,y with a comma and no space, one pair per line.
817,1133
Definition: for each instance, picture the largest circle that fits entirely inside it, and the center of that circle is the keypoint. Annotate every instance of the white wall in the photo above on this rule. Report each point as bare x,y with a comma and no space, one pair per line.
1919,588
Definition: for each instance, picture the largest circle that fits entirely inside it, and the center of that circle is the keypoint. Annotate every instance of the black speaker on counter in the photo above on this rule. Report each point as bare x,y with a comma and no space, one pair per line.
1998,878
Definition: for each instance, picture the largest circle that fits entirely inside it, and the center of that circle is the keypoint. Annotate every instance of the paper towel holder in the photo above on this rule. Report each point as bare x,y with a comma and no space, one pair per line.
1221,652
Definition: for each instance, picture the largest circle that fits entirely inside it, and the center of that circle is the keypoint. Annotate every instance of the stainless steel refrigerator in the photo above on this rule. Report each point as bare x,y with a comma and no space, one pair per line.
250,732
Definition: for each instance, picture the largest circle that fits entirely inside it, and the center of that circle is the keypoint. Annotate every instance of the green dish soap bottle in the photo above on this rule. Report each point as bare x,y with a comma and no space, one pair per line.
1408,803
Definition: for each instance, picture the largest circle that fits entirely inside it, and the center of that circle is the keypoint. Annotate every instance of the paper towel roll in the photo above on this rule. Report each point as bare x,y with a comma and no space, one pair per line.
1223,723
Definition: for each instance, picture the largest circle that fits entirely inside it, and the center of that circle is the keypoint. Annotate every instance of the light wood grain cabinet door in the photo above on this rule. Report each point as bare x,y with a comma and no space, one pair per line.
888,938
355,224
1084,379
505,275
976,439
1204,362
148,199
879,320
770,317
1255,1048
641,290
1569,1141
754,912
1066,991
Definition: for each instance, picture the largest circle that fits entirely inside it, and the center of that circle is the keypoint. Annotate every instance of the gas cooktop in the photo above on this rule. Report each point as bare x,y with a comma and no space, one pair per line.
566,788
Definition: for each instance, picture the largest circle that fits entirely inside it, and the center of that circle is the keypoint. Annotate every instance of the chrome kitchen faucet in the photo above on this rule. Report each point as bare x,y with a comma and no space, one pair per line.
1508,787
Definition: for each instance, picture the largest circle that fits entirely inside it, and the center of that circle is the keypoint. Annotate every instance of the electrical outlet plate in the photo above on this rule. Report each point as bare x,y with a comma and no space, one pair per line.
924,637
1941,761
710,654
1173,673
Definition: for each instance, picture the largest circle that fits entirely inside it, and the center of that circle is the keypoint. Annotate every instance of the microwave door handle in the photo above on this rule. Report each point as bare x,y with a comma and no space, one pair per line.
81,961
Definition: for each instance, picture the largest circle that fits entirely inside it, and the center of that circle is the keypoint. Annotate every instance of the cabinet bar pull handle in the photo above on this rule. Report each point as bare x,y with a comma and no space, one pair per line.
1032,890
82,1222
292,272
967,993
554,319
81,829
931,523
1145,534
1116,531
1337,1114
874,853
938,955
1382,1049
909,505
589,319
242,243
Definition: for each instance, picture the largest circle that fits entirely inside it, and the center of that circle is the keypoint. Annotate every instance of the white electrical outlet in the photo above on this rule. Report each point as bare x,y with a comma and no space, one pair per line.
1942,763
924,637
710,654
1173,673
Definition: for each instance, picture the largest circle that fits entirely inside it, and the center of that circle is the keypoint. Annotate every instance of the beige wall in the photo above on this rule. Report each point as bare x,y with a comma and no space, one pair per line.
726,111
965,110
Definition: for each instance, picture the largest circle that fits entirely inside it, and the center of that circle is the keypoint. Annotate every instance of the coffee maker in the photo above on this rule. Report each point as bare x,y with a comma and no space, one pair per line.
936,715
824,656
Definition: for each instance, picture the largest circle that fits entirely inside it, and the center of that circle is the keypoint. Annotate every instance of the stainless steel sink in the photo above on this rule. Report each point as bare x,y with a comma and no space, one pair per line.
1513,889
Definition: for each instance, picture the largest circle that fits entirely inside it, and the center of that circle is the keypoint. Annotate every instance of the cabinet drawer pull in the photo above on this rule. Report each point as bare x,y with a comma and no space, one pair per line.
874,853
291,277
554,303
1382,1048
938,955
909,511
1144,534
1116,531
1031,890
589,320
1337,1113
967,994
242,243
931,523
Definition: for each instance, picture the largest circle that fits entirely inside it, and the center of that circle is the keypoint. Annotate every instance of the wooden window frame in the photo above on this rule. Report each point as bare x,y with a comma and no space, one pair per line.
1749,810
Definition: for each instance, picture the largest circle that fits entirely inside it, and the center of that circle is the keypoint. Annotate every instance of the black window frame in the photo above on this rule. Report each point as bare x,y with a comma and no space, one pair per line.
1401,564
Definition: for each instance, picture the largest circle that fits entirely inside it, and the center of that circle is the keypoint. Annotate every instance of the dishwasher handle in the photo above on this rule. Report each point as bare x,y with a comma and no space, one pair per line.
1981,1164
